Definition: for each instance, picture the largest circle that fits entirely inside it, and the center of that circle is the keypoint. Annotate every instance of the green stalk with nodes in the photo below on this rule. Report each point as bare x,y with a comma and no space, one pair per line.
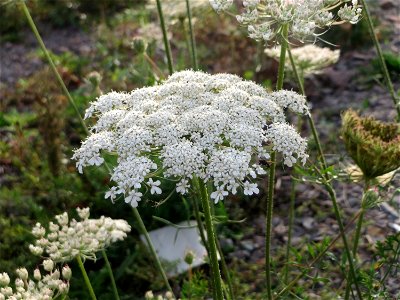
327,178
143,229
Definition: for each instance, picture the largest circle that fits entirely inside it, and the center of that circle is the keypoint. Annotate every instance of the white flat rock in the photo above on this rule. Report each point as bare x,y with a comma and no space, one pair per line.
172,244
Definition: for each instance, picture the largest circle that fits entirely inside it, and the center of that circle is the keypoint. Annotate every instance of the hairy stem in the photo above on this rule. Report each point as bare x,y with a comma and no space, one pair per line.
86,278
386,76
205,201
165,38
192,39
110,272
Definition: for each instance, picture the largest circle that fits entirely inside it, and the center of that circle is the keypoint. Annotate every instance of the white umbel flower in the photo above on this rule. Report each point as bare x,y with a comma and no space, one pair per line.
305,18
72,238
308,59
213,127
49,286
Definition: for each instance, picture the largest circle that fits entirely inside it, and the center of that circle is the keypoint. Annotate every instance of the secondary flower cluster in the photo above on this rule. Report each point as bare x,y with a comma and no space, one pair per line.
309,59
65,240
264,18
50,286
214,127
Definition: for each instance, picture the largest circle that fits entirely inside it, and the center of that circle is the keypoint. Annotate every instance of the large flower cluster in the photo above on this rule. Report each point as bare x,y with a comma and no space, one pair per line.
65,240
214,127
264,18
50,286
308,59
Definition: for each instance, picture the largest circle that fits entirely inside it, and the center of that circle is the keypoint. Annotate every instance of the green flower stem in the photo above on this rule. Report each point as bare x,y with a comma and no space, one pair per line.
329,186
290,231
143,230
224,266
200,226
205,201
51,63
292,193
316,259
271,182
357,235
192,39
86,278
382,62
110,272
165,38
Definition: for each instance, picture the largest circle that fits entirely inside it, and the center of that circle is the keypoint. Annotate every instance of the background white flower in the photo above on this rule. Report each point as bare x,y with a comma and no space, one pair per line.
305,18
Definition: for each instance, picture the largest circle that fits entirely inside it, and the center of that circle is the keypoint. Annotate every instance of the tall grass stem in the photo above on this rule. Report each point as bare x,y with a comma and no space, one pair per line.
51,63
192,38
385,72
165,38
86,278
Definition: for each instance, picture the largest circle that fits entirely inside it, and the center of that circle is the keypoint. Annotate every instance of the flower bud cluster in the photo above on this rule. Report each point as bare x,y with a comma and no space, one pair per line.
308,59
50,285
264,18
214,127
150,296
65,240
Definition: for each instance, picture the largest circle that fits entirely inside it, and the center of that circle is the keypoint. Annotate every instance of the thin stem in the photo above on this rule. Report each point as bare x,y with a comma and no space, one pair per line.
290,231
316,259
143,230
153,65
381,59
269,214
192,39
202,234
293,188
353,274
86,278
205,201
329,186
357,235
225,270
51,63
110,272
165,38
271,182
